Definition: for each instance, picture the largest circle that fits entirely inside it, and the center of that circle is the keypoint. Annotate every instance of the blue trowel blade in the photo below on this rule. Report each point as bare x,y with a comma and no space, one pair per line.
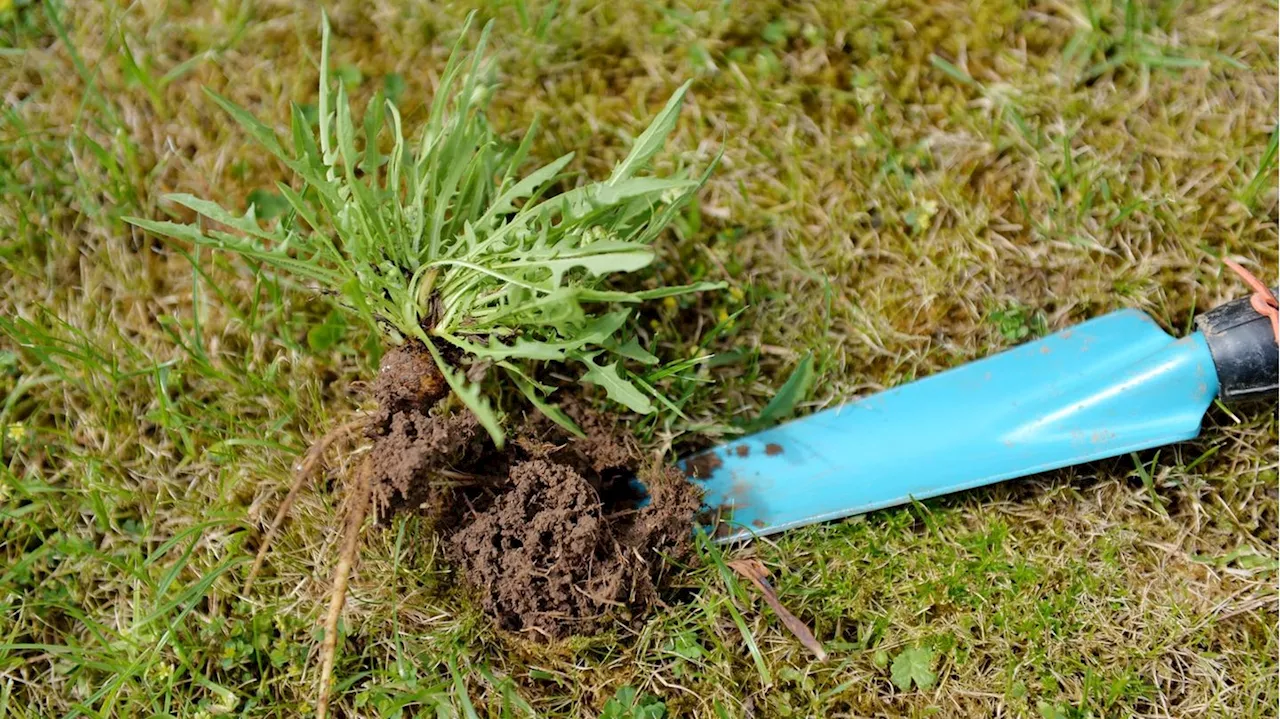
1109,386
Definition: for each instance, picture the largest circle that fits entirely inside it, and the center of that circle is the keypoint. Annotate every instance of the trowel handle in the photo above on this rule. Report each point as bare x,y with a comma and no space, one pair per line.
1244,350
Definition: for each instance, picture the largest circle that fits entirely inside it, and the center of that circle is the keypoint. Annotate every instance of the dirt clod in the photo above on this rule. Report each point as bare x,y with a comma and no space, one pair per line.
549,556
703,465
547,532
773,449
408,381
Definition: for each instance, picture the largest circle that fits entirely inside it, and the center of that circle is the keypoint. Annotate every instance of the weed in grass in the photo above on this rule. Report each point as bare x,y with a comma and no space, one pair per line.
465,267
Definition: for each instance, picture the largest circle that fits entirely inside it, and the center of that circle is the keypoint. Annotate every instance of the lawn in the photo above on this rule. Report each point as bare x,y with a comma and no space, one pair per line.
905,186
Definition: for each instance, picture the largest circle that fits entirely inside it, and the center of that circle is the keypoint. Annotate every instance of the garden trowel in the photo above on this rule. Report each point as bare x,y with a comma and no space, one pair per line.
1112,385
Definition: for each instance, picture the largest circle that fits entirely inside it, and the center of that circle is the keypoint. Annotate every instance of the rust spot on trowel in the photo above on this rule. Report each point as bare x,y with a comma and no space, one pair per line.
702,466
738,491
773,449
742,450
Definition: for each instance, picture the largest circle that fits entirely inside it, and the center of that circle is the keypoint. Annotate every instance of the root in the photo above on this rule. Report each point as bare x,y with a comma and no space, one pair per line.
311,463
341,573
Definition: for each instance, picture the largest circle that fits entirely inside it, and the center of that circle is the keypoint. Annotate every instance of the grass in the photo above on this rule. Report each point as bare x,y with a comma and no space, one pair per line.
904,187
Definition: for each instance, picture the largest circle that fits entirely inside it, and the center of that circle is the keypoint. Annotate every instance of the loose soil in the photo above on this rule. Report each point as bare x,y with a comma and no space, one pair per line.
548,531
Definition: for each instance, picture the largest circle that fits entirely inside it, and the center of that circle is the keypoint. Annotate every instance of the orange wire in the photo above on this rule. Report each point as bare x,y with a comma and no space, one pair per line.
1263,300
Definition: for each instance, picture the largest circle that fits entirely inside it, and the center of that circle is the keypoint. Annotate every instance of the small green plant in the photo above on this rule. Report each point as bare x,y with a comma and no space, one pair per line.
627,704
1016,322
913,666
441,241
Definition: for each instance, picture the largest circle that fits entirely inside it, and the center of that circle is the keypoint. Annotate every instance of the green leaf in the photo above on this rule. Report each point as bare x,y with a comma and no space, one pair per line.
554,413
913,665
596,332
619,390
792,392
526,187
259,131
602,263
393,85
349,75
277,259
589,295
582,201
470,395
652,139
267,204
246,223
632,351
328,333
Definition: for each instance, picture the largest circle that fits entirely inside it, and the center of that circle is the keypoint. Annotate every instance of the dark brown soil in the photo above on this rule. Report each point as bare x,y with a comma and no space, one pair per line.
547,531
702,465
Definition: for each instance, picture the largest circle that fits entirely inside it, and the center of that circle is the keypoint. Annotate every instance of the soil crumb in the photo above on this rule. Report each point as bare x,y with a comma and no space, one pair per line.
773,449
742,450
547,532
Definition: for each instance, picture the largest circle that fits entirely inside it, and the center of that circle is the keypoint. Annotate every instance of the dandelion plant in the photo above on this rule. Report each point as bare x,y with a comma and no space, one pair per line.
443,241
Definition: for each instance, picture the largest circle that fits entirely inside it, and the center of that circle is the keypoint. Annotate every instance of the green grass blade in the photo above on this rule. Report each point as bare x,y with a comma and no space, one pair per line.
792,392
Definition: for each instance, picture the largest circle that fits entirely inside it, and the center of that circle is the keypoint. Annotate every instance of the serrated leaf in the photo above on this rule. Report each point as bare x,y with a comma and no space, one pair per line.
246,223
652,139
599,258
596,332
633,351
526,187
223,241
260,132
913,665
604,263
582,201
788,395
618,389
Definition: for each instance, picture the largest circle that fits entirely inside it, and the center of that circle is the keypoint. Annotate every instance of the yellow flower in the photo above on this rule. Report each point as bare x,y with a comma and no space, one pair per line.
17,432
669,303
736,293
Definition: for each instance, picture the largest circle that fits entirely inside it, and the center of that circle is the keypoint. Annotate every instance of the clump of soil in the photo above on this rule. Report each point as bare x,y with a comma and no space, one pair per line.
548,531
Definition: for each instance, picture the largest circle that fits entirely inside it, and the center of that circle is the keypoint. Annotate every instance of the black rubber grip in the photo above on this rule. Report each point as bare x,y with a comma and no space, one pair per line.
1244,351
